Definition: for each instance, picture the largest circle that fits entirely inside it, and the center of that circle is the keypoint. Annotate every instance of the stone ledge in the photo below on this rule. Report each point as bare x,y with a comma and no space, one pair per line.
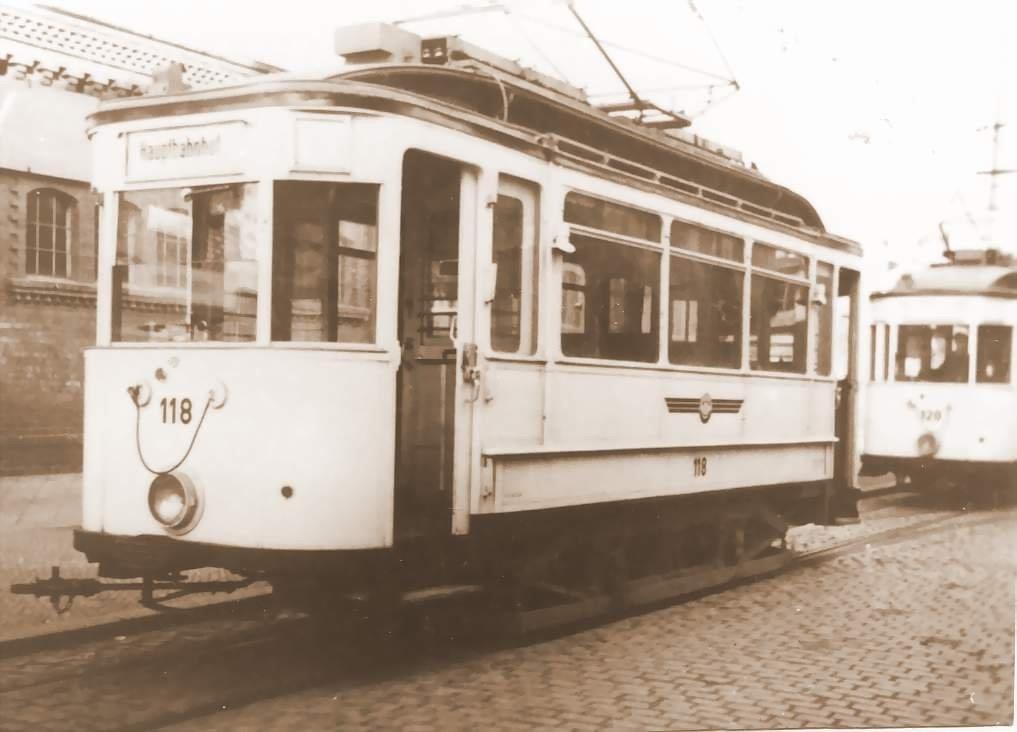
47,291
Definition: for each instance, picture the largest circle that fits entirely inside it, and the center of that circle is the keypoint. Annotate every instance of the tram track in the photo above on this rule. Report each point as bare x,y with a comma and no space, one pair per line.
213,668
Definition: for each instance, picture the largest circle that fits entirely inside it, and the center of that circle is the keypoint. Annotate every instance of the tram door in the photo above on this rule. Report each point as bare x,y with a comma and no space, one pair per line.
428,322
846,371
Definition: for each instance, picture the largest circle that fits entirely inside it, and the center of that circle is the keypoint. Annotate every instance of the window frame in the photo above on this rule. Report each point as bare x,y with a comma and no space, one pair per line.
332,259
709,259
808,281
110,297
978,353
33,225
934,324
611,238
531,196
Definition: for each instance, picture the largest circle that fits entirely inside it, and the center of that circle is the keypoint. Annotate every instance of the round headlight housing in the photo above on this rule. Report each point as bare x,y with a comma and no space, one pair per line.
928,445
173,502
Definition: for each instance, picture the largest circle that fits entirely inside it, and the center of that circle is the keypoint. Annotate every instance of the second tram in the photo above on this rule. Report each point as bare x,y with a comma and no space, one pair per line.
942,407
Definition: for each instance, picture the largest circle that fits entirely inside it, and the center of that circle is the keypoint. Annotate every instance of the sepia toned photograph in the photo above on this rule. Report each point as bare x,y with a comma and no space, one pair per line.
508,365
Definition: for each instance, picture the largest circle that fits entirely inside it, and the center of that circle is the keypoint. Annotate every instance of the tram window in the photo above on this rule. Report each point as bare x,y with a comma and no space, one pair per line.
779,260
610,301
706,314
324,266
777,325
994,343
186,266
932,353
706,241
513,310
886,352
872,352
612,217
824,299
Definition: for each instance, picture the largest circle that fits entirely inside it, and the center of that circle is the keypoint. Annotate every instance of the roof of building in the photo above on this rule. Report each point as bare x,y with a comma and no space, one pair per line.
43,131
49,46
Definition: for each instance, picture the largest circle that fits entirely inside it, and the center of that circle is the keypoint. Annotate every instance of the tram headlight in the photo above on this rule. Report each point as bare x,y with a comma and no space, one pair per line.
173,502
928,445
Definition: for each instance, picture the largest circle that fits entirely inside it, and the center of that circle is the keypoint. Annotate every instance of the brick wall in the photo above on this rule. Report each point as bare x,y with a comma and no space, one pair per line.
44,325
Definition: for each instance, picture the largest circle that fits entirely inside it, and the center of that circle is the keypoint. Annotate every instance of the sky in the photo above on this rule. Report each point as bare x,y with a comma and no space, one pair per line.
878,112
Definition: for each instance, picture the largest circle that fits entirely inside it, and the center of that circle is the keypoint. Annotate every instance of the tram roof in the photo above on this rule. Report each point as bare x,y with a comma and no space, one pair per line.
957,279
519,112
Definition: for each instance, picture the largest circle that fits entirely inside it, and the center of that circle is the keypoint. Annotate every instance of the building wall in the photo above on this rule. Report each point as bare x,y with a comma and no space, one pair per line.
45,322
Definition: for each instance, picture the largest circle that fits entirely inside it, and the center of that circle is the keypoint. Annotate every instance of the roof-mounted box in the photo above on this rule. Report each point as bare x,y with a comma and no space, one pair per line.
371,43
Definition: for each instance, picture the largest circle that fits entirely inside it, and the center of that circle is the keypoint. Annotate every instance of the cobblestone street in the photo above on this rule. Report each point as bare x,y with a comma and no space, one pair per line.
912,633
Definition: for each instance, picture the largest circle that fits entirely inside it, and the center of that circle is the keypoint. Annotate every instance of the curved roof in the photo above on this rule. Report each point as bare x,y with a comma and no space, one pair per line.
516,112
957,279
542,110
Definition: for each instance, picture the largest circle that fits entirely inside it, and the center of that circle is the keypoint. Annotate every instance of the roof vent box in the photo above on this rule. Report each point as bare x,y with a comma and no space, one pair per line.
369,43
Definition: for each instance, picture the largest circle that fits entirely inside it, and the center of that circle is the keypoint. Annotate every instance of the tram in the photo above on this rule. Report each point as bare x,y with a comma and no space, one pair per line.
436,318
941,406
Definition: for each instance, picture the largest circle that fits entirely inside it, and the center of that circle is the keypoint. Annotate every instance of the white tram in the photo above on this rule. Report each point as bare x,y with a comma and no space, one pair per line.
406,324
941,403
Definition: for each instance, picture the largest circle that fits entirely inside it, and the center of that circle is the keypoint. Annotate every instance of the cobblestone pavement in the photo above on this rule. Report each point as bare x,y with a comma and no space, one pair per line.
913,633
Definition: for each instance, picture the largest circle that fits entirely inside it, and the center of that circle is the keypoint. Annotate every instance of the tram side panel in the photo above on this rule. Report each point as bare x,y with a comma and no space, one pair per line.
295,450
611,434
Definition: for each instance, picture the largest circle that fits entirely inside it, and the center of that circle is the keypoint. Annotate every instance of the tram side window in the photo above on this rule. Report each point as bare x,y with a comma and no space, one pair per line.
932,353
611,217
777,325
994,343
324,262
778,313
824,303
706,314
513,310
610,301
186,265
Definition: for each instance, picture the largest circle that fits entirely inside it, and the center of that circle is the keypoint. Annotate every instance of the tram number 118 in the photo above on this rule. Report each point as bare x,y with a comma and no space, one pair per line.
699,467
169,411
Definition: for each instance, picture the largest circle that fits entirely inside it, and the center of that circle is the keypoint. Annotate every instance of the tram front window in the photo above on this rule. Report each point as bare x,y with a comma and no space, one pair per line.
186,266
994,354
932,353
324,266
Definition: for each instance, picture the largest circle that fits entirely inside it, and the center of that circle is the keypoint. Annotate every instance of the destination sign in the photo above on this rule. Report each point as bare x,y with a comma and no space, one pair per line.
186,152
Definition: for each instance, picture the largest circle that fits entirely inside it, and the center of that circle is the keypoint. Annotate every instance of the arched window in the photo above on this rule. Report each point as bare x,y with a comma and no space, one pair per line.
48,233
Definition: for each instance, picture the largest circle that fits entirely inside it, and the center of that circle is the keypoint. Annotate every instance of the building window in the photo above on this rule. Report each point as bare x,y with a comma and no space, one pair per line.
171,259
48,234
324,262
994,354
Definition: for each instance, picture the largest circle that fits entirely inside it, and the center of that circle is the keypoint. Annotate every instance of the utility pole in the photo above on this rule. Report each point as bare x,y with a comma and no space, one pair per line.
994,172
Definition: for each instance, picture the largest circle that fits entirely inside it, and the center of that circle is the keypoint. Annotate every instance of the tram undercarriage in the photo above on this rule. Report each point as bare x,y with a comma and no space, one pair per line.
545,567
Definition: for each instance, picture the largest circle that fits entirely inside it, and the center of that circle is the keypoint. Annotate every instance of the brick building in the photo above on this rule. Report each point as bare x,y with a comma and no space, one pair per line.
54,67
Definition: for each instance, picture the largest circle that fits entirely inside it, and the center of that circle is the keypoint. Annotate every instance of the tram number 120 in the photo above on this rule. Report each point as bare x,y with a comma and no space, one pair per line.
699,467
169,410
